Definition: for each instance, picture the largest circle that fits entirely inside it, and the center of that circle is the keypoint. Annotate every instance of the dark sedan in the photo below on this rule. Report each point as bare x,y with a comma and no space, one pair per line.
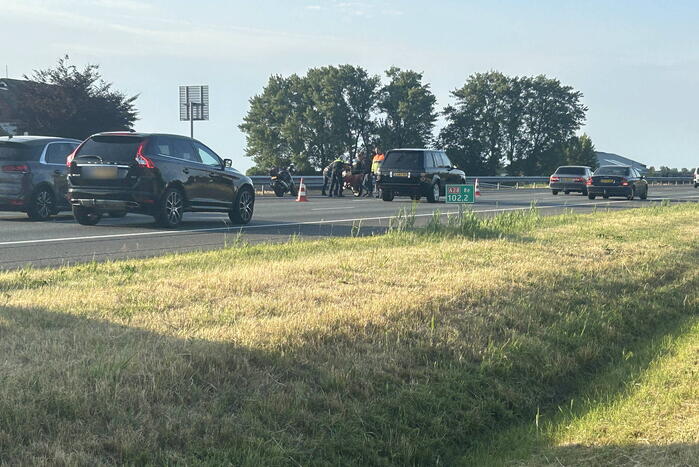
33,174
616,180
570,178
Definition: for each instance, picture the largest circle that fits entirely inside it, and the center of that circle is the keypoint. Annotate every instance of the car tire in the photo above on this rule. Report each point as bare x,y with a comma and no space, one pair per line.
696,185
415,197
86,216
243,206
645,194
554,192
433,194
605,196
386,195
632,194
589,196
567,192
584,192
170,208
279,191
42,204
117,214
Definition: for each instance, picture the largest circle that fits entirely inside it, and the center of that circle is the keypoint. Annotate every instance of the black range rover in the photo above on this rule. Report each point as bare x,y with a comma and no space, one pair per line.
156,174
417,173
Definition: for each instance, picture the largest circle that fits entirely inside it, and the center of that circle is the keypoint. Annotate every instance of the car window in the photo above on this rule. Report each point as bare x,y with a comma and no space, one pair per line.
571,171
160,145
611,170
438,159
403,160
429,160
111,148
56,153
445,160
207,156
183,149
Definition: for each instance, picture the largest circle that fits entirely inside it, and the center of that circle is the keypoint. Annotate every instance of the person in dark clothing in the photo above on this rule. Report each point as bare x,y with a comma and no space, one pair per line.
336,168
368,180
327,175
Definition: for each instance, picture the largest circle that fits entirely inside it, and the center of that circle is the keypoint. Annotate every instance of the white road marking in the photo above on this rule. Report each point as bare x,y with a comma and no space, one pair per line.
286,224
332,209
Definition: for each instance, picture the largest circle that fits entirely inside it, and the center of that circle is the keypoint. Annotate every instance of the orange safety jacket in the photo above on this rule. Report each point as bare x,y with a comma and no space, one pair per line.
376,162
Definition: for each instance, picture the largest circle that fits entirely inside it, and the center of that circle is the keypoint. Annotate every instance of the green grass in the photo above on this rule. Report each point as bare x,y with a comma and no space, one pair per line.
412,348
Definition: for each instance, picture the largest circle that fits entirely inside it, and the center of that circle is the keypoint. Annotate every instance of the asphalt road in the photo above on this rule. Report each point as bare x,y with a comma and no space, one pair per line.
63,241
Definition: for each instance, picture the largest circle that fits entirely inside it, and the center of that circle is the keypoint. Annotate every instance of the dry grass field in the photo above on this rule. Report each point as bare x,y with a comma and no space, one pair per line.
411,348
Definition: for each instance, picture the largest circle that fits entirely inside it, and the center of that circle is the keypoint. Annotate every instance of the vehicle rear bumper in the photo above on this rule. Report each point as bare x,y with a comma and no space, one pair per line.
13,203
609,190
405,189
559,186
111,200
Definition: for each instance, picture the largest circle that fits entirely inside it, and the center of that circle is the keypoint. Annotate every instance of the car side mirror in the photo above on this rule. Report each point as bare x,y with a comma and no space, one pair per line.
227,163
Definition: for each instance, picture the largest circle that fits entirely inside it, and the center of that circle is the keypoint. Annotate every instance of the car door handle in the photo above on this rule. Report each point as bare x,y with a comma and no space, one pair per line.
185,171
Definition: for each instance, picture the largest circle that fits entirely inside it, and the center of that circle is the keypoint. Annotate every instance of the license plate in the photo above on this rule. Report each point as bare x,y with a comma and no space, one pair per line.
567,179
100,172
400,174
607,180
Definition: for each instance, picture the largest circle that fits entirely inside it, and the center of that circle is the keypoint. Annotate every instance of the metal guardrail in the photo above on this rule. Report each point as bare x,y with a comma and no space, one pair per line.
488,181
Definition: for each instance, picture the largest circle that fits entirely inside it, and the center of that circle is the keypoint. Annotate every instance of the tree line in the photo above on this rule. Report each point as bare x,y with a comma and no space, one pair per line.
522,125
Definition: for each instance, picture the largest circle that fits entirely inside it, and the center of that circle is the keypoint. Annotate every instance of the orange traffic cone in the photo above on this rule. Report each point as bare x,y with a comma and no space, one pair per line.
302,192
478,190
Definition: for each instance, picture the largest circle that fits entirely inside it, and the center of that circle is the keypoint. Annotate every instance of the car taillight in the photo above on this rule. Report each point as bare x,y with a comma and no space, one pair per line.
142,160
70,157
16,168
624,182
554,179
589,181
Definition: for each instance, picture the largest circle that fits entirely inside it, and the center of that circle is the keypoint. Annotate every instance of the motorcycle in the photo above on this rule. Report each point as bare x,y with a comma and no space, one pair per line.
282,182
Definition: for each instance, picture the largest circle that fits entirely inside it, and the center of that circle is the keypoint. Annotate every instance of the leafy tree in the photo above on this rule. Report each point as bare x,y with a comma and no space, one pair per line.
273,135
409,112
523,122
66,101
579,150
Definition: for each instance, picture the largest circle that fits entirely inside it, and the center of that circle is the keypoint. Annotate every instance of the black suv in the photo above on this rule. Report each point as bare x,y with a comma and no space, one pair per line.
417,173
156,174
33,174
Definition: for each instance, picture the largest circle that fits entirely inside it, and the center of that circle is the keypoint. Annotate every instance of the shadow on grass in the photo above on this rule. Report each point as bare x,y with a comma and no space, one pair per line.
422,386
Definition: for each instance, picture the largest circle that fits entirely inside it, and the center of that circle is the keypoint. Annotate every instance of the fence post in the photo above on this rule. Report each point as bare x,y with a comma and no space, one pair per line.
498,185
516,185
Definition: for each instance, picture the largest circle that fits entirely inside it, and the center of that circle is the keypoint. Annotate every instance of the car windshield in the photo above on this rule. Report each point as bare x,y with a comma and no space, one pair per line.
111,148
570,171
618,171
13,152
403,160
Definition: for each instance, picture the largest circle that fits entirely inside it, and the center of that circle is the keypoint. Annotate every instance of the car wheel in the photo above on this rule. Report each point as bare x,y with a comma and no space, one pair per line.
433,194
605,196
117,214
415,197
386,195
171,209
554,192
42,205
696,185
632,194
279,191
243,206
644,195
567,192
589,196
86,216
584,192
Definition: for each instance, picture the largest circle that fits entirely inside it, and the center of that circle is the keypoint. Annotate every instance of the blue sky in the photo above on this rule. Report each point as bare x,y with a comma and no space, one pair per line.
636,62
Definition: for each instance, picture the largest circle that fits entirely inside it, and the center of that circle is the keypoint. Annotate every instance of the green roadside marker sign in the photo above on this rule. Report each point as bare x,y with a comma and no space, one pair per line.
459,194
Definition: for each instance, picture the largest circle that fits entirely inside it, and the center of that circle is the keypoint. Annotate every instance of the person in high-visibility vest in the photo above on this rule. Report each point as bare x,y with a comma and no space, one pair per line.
376,162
